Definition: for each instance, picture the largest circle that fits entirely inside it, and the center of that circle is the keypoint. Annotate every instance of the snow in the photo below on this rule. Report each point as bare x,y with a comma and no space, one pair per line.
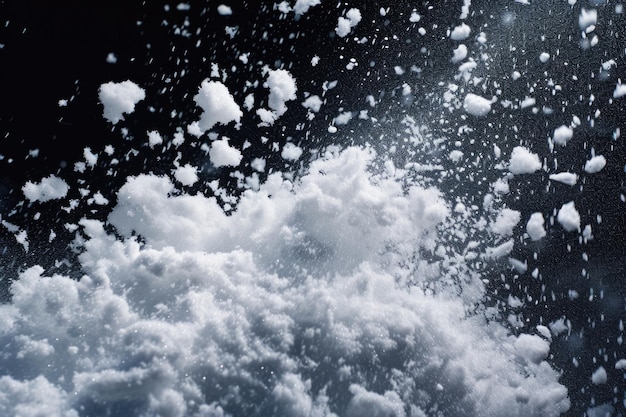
532,348
49,188
562,135
620,91
154,138
534,226
303,6
217,104
476,105
567,178
313,103
587,18
224,10
282,88
119,98
346,24
459,54
506,220
568,217
523,161
595,164
544,57
291,152
222,154
599,376
187,175
460,32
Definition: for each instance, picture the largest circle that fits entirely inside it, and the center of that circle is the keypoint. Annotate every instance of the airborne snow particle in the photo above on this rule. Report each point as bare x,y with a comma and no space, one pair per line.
476,105
595,164
224,10
534,226
568,217
119,98
49,188
291,152
187,175
460,32
599,376
565,177
222,154
218,105
562,135
523,161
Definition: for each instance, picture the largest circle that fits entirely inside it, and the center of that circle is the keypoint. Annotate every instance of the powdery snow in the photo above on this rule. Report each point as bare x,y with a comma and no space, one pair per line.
568,217
291,152
187,174
523,161
218,105
460,32
49,188
119,98
346,24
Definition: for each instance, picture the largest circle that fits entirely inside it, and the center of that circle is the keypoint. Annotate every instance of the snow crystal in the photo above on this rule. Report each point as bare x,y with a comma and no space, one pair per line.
460,32
599,376
49,188
564,177
595,164
291,152
476,105
222,154
218,105
523,161
568,217
534,226
562,135
187,175
119,98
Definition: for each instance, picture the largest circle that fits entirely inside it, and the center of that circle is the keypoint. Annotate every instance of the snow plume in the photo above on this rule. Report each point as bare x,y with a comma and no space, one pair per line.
284,306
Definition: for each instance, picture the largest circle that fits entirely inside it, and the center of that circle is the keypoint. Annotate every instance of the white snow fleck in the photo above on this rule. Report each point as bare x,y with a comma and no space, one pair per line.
506,220
460,32
291,152
620,91
222,154
154,138
49,188
599,376
595,164
218,106
534,226
119,98
459,54
568,217
567,178
562,135
187,175
224,10
523,161
544,57
587,18
476,105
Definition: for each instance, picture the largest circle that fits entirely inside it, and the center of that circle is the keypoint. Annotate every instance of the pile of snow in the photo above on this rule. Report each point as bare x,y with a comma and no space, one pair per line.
283,307
119,98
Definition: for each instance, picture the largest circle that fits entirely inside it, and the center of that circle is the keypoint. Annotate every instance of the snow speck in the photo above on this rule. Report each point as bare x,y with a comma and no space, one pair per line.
534,226
544,57
595,164
568,217
119,98
49,188
523,161
222,154
476,105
